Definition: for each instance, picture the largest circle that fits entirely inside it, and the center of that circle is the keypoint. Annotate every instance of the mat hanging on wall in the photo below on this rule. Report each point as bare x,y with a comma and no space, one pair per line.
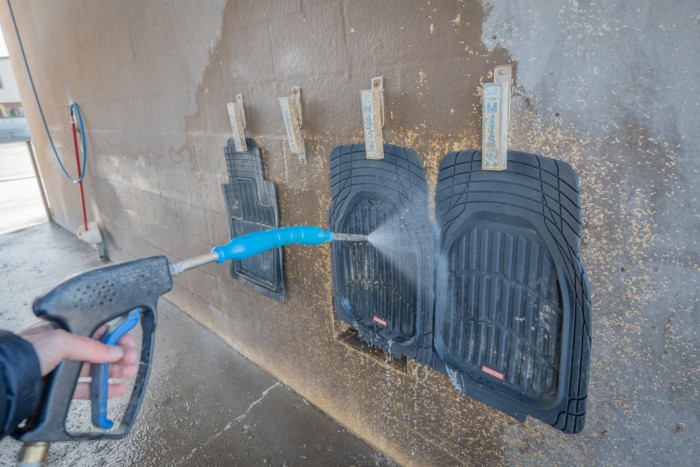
386,296
251,204
512,309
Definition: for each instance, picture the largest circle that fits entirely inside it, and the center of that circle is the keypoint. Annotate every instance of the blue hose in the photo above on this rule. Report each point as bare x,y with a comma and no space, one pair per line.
74,108
249,245
41,110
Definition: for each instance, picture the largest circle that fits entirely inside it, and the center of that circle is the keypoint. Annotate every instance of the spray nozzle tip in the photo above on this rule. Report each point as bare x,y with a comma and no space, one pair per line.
344,237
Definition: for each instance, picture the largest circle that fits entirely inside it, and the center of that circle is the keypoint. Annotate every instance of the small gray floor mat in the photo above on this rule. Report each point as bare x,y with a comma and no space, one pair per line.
512,309
386,293
251,204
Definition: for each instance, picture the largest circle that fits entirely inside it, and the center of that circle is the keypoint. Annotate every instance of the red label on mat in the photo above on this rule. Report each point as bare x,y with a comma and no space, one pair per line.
494,373
383,322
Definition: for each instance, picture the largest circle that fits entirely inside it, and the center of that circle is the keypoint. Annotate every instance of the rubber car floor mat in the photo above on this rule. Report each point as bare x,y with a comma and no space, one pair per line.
512,310
384,292
251,204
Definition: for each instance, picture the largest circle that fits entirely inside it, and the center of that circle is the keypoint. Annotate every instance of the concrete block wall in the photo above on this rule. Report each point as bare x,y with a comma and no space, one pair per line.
607,87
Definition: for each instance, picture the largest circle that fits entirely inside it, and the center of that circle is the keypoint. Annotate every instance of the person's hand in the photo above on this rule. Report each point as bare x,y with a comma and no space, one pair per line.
55,345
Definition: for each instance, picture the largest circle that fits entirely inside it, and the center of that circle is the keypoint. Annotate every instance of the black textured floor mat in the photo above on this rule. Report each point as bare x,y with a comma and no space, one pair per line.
386,294
251,203
512,309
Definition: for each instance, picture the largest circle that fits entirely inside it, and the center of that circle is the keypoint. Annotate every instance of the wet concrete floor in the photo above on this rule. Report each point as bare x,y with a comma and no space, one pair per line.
206,404
20,199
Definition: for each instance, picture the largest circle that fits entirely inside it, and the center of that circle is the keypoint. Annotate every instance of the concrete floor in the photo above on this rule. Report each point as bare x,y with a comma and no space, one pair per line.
205,404
20,199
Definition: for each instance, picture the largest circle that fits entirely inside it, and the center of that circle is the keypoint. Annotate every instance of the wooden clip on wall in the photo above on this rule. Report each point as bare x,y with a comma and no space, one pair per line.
236,113
293,120
373,118
496,119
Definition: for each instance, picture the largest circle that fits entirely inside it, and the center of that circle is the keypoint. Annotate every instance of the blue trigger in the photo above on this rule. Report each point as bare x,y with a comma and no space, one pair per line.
100,373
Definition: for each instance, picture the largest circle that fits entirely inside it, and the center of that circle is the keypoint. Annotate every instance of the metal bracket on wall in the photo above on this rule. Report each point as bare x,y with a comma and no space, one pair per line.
293,120
496,119
236,113
373,118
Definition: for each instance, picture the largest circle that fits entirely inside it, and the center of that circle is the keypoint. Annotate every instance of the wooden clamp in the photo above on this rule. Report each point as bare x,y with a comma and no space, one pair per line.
236,113
373,118
293,119
495,113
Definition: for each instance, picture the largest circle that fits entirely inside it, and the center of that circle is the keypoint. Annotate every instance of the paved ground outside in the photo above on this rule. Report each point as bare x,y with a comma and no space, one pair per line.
205,405
20,199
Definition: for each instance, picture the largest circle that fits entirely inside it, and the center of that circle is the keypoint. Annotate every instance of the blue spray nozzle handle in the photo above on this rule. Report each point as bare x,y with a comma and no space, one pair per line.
99,387
249,245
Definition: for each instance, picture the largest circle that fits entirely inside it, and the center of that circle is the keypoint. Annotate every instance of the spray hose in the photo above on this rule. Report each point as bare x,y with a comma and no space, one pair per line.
252,244
249,245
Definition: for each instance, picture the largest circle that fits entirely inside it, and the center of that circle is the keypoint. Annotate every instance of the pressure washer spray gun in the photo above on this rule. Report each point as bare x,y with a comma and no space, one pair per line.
128,292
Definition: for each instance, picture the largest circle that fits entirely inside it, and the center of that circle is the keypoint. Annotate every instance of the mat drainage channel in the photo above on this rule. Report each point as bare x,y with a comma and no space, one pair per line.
351,338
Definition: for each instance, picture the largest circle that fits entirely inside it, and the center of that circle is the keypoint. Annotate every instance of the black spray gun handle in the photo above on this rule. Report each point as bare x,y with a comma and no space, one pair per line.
85,302
80,305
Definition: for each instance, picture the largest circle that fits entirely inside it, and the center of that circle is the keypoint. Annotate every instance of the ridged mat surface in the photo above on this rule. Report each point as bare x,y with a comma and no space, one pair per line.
251,204
512,309
387,293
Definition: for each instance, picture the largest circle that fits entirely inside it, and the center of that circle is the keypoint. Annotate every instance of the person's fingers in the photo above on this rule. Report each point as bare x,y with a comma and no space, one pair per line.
56,345
82,390
127,343
100,332
129,358
116,370
85,349
127,340
123,371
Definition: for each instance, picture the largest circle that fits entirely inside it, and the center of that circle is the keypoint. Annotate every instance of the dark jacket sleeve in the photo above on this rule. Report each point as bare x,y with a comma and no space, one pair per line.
20,381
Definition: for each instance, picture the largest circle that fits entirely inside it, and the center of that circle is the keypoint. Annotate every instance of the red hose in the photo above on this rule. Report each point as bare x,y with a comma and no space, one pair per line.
77,161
